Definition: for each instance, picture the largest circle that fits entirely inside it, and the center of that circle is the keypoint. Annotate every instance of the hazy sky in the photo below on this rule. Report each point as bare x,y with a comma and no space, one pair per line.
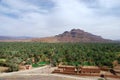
41,18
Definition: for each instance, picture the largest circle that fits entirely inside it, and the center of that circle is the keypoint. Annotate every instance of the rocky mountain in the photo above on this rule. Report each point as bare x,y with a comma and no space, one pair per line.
75,35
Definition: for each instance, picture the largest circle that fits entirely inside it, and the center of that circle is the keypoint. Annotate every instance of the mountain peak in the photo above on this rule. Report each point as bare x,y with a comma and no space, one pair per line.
78,35
76,30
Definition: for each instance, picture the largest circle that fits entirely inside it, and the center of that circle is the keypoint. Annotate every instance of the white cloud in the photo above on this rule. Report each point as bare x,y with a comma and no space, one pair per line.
19,5
109,3
65,15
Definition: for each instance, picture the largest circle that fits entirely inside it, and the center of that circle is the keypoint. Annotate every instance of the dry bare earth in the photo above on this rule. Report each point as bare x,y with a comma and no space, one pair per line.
42,73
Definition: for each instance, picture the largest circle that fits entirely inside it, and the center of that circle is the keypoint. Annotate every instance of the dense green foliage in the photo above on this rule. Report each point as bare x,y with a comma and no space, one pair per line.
100,54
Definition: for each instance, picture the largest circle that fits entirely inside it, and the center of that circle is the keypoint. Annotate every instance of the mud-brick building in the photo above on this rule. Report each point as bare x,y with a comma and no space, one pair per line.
65,69
85,70
117,69
23,66
90,70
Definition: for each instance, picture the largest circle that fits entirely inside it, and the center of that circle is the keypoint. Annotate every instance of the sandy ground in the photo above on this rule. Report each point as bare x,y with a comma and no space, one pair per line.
42,73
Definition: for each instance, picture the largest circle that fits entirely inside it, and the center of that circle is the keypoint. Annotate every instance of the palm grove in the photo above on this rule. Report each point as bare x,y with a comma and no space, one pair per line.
80,54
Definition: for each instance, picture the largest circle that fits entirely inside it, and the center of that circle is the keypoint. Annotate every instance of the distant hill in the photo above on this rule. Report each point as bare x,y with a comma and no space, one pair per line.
118,41
75,35
4,37
13,38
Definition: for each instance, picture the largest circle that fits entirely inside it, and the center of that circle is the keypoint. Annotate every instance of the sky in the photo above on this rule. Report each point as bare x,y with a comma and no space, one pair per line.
43,18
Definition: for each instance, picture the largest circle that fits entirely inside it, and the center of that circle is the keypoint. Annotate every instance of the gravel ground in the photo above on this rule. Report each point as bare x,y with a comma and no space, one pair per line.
47,77
34,77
